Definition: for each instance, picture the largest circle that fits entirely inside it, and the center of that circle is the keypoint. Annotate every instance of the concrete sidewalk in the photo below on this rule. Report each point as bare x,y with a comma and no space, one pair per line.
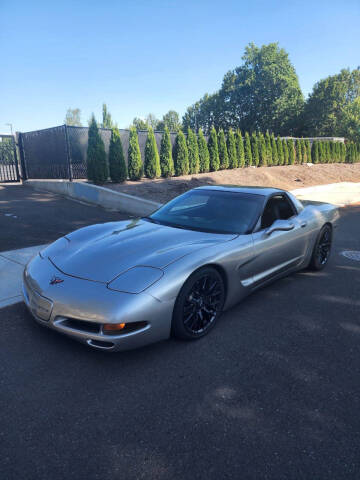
341,194
12,265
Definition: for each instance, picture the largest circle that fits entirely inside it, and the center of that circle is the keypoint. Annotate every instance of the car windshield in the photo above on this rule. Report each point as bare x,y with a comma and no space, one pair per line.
214,211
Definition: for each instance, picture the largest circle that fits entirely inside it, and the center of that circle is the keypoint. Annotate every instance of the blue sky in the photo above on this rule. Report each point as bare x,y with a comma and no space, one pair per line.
151,56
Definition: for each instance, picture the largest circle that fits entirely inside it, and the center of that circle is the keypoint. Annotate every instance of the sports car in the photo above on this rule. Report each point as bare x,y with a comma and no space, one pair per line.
122,285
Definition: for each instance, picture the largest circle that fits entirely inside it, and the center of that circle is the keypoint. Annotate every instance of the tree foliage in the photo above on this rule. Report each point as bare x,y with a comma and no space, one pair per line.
106,117
204,158
181,156
240,152
97,167
166,160
248,152
231,148
280,151
274,151
117,165
152,161
223,153
135,166
171,120
73,117
291,149
213,151
285,152
193,151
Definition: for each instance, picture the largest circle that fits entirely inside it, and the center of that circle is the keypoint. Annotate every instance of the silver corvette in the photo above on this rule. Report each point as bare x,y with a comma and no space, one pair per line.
122,285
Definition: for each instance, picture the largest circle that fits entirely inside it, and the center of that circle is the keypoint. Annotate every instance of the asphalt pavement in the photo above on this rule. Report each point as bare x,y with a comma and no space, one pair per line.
271,393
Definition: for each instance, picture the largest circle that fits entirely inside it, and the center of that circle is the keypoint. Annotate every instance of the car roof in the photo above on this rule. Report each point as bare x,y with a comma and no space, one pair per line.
266,191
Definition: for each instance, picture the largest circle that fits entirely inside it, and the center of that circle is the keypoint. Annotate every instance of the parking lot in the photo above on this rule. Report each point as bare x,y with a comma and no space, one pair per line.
271,393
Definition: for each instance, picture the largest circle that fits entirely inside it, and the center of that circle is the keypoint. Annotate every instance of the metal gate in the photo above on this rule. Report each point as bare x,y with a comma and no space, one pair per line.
9,170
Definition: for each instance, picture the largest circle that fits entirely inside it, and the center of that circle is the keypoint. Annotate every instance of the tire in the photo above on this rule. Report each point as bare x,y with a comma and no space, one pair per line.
199,304
322,249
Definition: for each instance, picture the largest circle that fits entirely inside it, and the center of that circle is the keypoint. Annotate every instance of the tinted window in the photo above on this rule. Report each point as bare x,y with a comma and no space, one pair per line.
211,211
277,208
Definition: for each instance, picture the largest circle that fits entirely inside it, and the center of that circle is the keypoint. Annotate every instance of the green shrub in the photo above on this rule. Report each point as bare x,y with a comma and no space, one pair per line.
308,150
291,149
204,159
117,165
193,151
135,166
286,152
152,161
255,149
181,156
315,151
166,160
322,152
213,151
298,150
262,150
280,151
274,151
223,153
231,148
338,151
240,152
268,148
303,151
342,152
97,167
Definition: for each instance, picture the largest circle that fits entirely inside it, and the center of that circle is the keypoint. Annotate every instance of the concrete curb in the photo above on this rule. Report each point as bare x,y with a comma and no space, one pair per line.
340,194
97,196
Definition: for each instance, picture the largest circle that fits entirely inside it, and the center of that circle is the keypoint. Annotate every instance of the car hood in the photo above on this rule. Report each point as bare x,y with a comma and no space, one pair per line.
101,252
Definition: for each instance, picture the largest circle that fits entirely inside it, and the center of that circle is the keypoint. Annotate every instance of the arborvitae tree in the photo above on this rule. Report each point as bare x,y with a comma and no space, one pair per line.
280,151
118,170
308,150
135,166
213,151
291,148
315,151
343,152
240,152
262,150
193,150
268,148
349,153
254,149
204,159
223,153
152,161
337,151
247,149
231,148
181,156
274,151
303,151
286,152
166,160
97,167
322,152
298,150
327,152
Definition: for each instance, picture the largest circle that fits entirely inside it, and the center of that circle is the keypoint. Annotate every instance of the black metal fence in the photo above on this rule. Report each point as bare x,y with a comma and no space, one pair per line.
60,152
9,170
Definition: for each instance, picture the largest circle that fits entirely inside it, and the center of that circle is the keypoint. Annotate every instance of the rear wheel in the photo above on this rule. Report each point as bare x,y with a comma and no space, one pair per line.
322,249
199,304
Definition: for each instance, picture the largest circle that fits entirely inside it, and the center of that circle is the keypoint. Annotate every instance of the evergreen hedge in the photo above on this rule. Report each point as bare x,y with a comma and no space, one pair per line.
308,150
240,152
117,165
298,151
152,161
204,159
223,153
280,151
268,148
231,148
303,151
274,152
315,151
166,160
181,156
254,149
286,152
262,151
247,150
97,167
213,151
291,149
135,165
193,150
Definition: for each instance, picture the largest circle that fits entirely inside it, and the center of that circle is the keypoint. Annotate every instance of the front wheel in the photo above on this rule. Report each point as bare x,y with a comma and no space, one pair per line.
322,249
199,304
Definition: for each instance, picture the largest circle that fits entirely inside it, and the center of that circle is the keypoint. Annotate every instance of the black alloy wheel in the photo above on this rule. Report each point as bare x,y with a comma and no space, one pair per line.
199,304
322,249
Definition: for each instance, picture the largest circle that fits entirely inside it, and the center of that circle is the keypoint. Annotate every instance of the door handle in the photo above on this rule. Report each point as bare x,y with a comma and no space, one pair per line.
303,224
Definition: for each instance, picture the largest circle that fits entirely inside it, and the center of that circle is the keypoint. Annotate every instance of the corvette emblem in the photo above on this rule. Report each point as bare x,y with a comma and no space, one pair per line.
56,280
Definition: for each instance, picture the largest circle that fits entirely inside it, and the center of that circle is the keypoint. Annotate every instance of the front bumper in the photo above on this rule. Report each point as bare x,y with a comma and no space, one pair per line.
78,308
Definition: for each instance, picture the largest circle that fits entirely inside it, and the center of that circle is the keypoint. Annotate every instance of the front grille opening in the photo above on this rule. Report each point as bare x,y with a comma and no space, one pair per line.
129,327
82,325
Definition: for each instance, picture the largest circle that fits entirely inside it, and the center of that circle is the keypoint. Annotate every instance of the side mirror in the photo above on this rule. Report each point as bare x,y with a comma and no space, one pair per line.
279,226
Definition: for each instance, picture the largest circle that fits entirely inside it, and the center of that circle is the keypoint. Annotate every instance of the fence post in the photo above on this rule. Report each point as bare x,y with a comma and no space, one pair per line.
24,173
68,154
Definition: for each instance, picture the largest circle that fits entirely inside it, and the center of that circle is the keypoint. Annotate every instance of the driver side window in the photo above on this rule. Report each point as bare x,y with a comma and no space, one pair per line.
277,208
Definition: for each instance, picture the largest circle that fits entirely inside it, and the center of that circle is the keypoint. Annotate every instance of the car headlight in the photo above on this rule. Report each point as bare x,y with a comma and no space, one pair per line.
136,279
